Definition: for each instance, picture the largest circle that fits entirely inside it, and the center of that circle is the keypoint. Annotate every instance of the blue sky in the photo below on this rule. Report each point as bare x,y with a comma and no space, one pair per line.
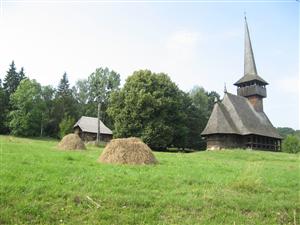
195,43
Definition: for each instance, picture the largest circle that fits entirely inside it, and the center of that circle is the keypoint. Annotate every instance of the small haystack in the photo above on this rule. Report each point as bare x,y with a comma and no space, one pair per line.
127,151
71,142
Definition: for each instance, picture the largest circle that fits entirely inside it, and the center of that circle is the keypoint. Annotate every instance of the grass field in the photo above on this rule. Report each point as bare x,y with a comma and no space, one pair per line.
42,185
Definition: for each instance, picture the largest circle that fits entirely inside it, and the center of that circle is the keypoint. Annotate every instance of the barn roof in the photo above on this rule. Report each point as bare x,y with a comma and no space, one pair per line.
90,124
236,115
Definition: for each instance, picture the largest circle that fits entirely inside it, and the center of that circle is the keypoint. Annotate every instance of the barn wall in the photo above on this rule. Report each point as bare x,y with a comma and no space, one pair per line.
86,136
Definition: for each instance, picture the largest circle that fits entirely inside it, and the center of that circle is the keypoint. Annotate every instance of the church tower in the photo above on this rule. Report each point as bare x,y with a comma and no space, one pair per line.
239,121
251,85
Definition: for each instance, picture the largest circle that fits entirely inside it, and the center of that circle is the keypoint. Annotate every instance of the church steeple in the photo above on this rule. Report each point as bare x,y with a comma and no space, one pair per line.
251,85
249,62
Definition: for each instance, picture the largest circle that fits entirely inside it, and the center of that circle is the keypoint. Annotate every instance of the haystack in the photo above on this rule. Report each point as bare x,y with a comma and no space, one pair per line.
127,151
71,142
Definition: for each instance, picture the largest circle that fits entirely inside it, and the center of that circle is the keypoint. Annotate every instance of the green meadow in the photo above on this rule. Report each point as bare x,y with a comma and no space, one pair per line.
43,185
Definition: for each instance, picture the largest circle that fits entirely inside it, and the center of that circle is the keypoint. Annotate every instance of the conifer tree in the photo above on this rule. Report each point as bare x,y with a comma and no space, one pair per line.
11,80
63,89
65,103
22,74
2,109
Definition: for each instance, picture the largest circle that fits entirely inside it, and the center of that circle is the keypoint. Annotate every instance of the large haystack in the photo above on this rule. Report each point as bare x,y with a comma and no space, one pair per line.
71,142
127,151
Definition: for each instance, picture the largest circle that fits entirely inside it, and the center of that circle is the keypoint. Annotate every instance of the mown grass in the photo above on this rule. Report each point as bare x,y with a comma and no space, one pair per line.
42,185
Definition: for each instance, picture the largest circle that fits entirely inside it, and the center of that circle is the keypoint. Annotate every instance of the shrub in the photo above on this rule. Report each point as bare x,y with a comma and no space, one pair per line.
291,144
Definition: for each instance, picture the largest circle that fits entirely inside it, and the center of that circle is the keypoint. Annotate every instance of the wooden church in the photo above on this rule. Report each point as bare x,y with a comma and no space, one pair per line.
239,121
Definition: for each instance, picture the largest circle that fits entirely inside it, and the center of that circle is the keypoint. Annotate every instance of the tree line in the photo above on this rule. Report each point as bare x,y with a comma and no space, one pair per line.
291,142
149,105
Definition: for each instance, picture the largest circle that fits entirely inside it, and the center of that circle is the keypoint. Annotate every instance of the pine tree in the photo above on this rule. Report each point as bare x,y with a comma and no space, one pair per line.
63,88
2,107
12,79
22,74
10,85
65,103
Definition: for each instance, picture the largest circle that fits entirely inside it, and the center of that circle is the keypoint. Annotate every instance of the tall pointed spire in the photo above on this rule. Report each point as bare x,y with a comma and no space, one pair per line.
250,72
249,62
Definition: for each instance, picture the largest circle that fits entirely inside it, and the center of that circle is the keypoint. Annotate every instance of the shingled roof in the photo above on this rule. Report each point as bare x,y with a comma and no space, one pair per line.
236,115
250,77
90,124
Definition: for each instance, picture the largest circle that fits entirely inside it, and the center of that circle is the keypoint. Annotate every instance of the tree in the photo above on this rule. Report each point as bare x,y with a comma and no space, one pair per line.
81,91
66,126
22,74
149,107
63,89
2,109
64,102
291,144
48,119
82,95
200,101
98,87
27,109
297,134
195,124
10,84
12,79
285,131
212,97
198,113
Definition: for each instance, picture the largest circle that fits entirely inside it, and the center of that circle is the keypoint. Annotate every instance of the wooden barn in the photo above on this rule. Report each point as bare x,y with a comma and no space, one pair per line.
87,128
239,121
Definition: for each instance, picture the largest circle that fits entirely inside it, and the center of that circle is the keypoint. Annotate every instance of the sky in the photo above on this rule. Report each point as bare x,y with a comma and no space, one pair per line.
197,43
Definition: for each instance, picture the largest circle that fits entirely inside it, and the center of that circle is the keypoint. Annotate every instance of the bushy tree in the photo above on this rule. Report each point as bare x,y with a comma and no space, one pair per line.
200,101
199,110
66,126
212,97
297,134
148,106
195,124
285,131
97,88
27,109
204,101
291,144
88,107
48,119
